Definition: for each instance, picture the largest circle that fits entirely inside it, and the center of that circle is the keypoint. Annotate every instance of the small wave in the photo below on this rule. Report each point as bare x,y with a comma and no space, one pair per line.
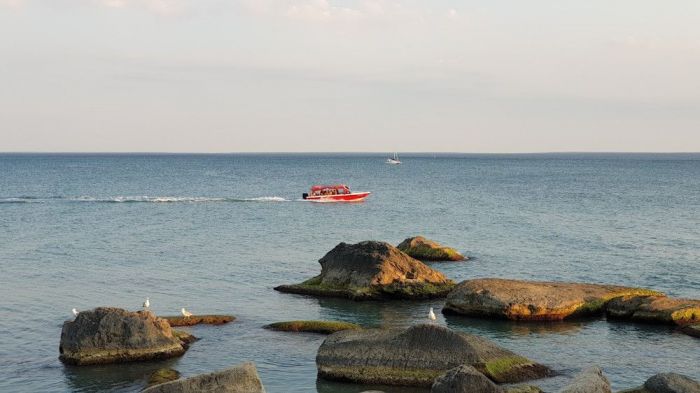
17,200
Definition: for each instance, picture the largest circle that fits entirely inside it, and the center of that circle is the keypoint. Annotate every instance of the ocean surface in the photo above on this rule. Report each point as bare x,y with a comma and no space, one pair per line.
215,234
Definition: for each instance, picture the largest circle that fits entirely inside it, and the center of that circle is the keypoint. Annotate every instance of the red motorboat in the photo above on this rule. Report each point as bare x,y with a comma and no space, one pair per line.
334,193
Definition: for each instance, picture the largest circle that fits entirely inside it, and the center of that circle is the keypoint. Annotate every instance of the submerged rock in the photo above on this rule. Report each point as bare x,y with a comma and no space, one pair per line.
163,375
199,320
242,378
667,383
323,327
692,330
590,380
533,300
464,379
113,335
660,309
417,356
372,270
427,250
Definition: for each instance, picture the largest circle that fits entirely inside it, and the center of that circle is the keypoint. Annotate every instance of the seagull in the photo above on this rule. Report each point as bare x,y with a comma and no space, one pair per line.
147,303
431,314
75,312
185,313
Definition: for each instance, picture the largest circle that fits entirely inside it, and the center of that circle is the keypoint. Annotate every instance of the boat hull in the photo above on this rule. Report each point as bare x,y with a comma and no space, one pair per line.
352,197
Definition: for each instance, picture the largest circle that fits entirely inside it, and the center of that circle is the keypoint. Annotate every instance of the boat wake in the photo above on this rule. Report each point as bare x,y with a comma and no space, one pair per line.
142,199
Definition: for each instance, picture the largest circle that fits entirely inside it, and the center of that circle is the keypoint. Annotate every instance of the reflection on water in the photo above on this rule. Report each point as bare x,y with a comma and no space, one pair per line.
505,328
121,377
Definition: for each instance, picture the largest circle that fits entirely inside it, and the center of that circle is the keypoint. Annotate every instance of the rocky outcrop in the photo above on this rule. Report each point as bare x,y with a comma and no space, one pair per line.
464,379
427,250
242,378
417,356
667,383
372,270
322,327
533,300
590,380
659,309
113,335
199,320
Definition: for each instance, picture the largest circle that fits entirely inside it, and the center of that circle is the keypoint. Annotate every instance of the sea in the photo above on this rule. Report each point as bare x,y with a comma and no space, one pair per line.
215,233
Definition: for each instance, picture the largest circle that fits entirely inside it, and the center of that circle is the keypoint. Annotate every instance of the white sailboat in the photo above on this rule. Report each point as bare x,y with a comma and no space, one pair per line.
393,160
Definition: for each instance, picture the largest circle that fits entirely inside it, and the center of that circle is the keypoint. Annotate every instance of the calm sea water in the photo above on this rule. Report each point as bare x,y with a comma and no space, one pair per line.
215,234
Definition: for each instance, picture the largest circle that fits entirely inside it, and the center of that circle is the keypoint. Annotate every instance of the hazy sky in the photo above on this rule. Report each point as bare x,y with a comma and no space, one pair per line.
349,75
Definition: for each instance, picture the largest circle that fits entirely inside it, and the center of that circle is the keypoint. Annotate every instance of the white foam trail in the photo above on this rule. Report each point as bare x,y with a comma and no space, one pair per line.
267,199
172,199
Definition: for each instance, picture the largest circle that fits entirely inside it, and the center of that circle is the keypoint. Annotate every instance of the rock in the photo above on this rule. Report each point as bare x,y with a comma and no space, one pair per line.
533,300
242,378
163,375
590,380
372,270
692,330
417,356
199,319
660,309
524,389
667,383
464,379
427,250
323,327
185,338
113,335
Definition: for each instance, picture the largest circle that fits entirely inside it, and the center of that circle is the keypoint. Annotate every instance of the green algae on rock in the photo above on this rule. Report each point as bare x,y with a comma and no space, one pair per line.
212,319
417,356
163,375
323,327
372,270
427,250
113,335
533,300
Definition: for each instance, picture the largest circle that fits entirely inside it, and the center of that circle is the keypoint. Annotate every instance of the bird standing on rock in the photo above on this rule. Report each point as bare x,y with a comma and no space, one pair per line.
75,312
431,315
185,313
147,303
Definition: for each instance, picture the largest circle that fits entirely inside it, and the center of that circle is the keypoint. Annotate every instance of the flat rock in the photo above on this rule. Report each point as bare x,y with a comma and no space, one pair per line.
322,327
427,250
659,309
113,335
667,383
372,270
417,356
590,380
199,319
242,378
464,379
533,300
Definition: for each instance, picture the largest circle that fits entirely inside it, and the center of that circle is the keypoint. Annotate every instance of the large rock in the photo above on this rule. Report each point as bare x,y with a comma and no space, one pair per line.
427,250
113,335
372,270
242,378
417,356
464,379
667,383
533,300
590,380
660,309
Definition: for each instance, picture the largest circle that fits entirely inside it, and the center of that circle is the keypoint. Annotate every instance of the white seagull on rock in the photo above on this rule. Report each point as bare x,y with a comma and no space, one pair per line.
147,303
431,315
185,313
75,312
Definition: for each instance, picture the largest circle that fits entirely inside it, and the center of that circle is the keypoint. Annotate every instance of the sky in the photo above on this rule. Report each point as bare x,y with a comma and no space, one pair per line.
479,76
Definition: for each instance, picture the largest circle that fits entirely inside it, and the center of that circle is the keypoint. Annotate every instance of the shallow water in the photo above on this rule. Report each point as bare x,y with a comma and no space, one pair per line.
215,233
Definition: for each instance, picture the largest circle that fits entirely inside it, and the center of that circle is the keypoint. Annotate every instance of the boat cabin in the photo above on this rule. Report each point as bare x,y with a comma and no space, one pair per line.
336,189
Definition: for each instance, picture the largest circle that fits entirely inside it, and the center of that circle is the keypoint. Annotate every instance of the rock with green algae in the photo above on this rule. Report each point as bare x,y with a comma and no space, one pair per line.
163,375
323,327
113,335
658,309
427,250
242,378
590,380
533,300
199,320
372,270
667,383
417,356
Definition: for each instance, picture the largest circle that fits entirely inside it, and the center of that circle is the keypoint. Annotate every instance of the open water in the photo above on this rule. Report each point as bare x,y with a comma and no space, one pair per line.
215,234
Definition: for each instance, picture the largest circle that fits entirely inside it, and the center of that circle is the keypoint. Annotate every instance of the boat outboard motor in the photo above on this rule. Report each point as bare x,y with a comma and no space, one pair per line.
304,195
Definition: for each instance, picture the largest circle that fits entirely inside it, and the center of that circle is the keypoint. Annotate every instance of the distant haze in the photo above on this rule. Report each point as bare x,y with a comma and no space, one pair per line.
349,75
